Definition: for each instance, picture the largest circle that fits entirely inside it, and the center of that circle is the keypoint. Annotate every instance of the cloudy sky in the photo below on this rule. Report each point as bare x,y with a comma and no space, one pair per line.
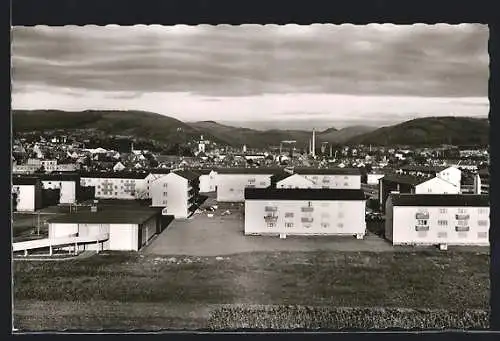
296,75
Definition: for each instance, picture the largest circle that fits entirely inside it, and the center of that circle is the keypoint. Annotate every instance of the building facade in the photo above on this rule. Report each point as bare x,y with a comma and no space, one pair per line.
27,194
68,184
177,192
231,182
305,212
116,185
332,178
295,181
208,180
437,219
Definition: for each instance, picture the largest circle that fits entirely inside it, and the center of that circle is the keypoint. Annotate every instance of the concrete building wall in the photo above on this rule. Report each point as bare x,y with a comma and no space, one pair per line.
438,225
335,181
452,175
115,188
372,179
294,217
148,230
67,190
26,198
231,187
124,237
437,186
296,181
59,230
171,192
208,182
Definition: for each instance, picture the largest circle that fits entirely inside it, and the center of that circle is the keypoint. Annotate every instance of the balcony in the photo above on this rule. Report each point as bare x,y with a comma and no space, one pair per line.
307,209
271,209
420,228
270,218
462,228
306,220
462,217
422,216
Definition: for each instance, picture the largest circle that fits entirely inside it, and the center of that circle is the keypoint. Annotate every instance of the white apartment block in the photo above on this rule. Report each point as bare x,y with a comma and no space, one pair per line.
208,181
119,185
421,219
28,193
294,181
231,182
67,185
305,212
450,174
176,192
332,178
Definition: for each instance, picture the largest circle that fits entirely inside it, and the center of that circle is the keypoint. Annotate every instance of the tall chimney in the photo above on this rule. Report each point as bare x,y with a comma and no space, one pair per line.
314,143
310,148
331,151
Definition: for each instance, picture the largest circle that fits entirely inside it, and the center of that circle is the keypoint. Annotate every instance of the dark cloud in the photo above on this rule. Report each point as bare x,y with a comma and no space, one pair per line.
419,60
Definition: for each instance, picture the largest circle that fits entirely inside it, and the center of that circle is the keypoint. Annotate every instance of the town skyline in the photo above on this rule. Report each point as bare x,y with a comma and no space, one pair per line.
257,76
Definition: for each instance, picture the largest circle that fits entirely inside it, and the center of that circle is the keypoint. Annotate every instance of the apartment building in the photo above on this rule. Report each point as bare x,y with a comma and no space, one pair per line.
26,193
177,192
302,211
208,180
449,173
446,219
413,185
68,184
332,178
115,185
231,182
482,181
285,180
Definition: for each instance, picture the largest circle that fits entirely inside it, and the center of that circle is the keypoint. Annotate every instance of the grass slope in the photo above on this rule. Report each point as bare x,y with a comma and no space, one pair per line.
117,283
430,131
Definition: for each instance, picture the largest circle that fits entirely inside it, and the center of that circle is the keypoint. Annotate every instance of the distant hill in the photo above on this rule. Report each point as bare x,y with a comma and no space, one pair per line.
429,131
340,136
139,124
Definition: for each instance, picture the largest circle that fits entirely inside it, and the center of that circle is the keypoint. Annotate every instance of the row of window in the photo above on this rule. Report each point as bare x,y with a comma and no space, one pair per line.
461,234
291,225
460,211
291,214
425,222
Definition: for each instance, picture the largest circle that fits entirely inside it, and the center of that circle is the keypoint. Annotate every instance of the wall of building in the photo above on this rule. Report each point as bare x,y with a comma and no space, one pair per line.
85,230
437,186
68,190
124,237
335,181
452,175
231,187
59,230
372,179
296,181
148,230
115,188
208,182
295,217
438,225
171,192
26,198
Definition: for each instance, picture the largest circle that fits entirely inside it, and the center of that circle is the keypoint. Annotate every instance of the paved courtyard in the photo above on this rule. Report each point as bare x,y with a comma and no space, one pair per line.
222,235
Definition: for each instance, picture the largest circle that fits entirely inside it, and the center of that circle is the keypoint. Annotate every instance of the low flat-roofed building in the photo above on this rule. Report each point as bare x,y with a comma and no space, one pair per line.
305,212
430,219
208,180
128,229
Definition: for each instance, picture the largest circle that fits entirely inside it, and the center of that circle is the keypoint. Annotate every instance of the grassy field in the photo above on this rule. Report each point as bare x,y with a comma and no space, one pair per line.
132,291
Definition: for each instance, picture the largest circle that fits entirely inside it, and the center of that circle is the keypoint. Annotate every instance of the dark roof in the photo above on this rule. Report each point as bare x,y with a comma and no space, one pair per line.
159,171
327,171
115,216
202,171
440,200
60,177
280,176
269,171
304,194
405,179
116,175
24,180
187,174
425,169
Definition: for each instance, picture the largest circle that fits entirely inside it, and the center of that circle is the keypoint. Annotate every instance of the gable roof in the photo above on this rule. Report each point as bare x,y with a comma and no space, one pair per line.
450,200
187,174
267,171
303,194
24,180
114,175
425,169
405,179
327,171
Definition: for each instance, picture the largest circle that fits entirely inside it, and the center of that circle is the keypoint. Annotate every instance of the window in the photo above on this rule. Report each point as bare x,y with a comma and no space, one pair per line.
483,211
325,215
443,210
270,208
422,222
462,223
325,187
341,214
442,222
164,194
346,184
442,234
429,190
288,224
165,185
116,193
164,202
325,225
462,210
231,190
271,225
262,183
482,235
340,225
121,180
289,215
251,181
482,223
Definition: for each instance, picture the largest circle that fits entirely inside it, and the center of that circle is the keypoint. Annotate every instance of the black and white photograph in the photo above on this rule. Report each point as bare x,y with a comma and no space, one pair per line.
252,177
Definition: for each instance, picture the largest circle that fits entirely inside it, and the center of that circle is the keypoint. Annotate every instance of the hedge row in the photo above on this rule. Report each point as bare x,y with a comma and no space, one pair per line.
338,318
